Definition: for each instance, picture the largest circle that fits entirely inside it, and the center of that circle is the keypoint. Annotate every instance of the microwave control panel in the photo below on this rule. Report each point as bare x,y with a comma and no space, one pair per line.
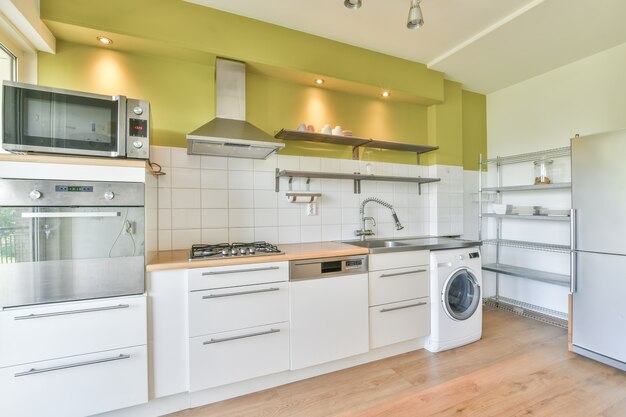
138,129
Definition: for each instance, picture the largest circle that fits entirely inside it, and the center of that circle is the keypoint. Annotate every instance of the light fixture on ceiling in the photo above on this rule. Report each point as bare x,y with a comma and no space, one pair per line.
352,4
104,40
319,81
415,20
385,94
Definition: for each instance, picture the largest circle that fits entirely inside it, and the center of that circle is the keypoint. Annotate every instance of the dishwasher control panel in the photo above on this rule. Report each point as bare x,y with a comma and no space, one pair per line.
327,267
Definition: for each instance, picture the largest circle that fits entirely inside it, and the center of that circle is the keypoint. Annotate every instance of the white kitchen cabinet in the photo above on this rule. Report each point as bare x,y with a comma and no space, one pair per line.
237,323
329,319
224,358
396,322
398,284
37,333
75,358
237,275
76,386
223,309
399,291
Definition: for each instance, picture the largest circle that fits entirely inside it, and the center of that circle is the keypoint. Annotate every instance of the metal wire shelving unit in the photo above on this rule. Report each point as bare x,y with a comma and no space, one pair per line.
495,192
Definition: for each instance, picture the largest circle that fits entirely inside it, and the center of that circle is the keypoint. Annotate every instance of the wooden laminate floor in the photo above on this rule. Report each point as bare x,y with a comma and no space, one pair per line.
520,368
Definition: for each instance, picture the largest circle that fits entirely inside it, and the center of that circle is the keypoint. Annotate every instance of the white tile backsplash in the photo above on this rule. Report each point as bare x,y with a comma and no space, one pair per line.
186,198
240,164
240,180
180,159
215,199
214,179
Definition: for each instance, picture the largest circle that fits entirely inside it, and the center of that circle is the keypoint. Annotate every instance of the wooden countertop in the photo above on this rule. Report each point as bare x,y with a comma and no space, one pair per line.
179,259
74,160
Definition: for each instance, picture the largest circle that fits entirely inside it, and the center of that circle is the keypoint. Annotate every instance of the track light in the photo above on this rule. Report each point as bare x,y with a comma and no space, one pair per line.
416,19
353,4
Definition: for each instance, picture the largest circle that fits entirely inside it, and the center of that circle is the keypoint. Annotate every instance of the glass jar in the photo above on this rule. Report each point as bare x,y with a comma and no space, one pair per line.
543,171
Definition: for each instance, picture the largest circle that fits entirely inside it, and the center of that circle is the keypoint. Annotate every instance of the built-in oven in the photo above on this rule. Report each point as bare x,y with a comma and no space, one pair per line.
70,240
52,120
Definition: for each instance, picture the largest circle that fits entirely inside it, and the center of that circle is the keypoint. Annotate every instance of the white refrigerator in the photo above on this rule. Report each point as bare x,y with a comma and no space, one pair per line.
599,247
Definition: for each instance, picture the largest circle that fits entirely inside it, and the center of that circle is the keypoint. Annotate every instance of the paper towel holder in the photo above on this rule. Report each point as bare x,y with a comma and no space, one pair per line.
303,197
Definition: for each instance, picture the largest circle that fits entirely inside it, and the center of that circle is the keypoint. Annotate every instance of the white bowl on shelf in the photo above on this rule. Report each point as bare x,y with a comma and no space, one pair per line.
501,208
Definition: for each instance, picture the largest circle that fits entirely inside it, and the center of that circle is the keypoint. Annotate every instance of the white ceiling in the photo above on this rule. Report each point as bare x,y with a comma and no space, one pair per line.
485,44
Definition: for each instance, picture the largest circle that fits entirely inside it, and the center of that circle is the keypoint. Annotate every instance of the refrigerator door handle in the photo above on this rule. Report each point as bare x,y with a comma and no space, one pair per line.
572,255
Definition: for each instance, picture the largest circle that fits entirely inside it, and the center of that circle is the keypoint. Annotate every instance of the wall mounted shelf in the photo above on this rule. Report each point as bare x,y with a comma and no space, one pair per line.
547,247
355,142
356,177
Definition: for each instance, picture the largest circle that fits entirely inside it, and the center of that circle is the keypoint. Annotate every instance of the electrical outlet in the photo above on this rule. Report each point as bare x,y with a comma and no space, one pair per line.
311,209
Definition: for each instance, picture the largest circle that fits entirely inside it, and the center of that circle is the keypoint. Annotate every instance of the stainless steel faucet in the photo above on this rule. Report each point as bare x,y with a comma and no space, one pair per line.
368,232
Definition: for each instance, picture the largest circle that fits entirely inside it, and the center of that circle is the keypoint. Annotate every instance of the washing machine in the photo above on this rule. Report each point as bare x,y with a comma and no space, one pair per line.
456,298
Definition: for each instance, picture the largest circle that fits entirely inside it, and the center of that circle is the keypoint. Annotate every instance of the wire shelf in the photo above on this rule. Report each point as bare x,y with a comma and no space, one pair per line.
527,273
533,187
531,311
527,217
547,247
532,156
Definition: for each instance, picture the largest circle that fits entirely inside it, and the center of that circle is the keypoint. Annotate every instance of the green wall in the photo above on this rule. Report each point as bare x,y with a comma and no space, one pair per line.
474,129
172,65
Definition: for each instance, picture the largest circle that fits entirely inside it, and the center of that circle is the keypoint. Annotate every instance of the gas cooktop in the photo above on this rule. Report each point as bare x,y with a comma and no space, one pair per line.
232,250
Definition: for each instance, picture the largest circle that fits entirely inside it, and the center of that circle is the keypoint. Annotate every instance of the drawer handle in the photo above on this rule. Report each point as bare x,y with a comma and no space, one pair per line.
385,310
228,339
65,313
402,273
34,371
268,268
230,294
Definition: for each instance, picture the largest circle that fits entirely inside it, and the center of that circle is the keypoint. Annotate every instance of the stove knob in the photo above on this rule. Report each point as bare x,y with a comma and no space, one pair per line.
243,251
251,250
35,195
234,252
109,195
225,252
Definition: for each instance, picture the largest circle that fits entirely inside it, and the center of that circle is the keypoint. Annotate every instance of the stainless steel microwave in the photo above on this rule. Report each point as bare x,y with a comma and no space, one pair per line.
51,120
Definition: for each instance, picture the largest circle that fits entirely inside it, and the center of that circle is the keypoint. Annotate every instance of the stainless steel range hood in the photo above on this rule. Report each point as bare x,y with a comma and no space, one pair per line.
229,134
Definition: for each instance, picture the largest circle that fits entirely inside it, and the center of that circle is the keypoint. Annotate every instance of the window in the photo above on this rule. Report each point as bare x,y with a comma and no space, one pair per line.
8,64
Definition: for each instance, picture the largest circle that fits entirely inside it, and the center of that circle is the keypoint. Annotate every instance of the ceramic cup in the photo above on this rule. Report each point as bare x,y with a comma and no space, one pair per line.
310,128
327,129
302,127
337,130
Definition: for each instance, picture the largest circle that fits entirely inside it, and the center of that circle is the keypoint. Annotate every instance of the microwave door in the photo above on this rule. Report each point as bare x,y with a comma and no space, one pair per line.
55,121
53,254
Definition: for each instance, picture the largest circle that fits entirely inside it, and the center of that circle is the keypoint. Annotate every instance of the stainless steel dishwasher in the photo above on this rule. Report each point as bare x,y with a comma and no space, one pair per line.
329,309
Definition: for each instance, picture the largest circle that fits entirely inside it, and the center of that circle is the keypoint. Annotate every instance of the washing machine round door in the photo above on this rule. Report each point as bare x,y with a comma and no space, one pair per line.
461,294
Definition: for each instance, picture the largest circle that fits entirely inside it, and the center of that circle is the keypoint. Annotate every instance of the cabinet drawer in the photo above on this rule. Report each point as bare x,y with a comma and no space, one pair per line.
66,329
77,386
398,284
397,322
224,309
234,276
224,358
380,261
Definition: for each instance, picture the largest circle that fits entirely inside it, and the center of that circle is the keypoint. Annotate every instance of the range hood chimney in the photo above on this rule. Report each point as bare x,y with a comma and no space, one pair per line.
229,134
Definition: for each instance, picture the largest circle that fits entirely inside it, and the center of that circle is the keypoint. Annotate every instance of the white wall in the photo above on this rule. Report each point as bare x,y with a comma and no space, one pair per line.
584,97
213,200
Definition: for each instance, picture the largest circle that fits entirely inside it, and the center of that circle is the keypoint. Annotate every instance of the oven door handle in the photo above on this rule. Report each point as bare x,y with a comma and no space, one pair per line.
57,214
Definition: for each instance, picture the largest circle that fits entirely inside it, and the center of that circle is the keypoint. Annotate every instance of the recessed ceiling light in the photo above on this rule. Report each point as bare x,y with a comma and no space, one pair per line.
319,81
385,94
104,40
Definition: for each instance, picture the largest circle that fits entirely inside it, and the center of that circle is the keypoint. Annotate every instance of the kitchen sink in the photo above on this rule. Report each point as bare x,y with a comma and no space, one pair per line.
376,244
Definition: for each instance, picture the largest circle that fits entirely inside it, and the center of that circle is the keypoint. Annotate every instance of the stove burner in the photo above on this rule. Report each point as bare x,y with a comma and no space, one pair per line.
235,249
